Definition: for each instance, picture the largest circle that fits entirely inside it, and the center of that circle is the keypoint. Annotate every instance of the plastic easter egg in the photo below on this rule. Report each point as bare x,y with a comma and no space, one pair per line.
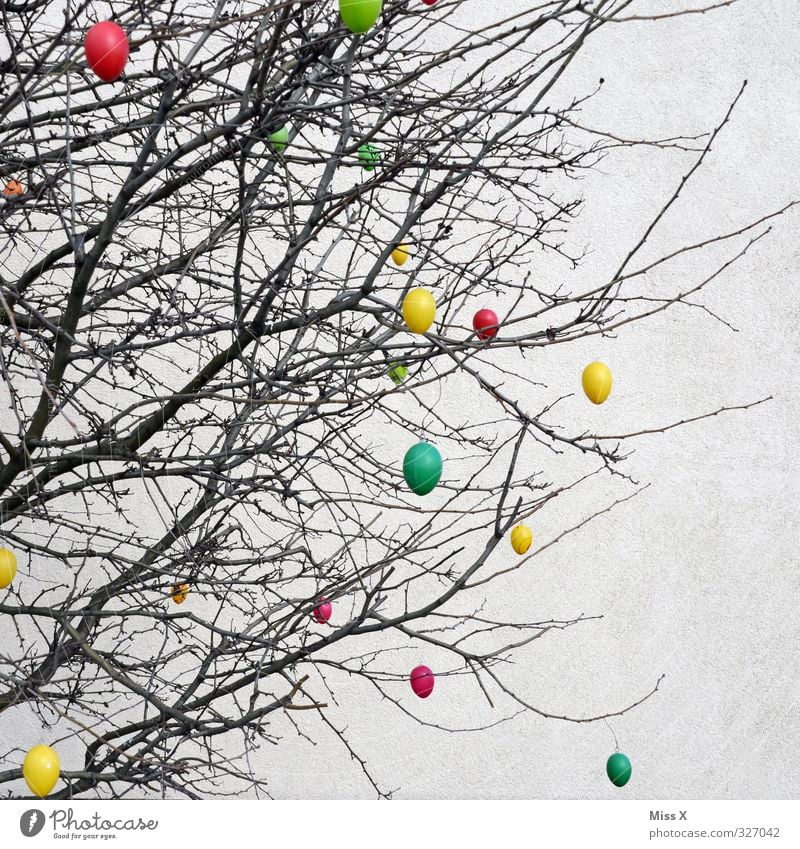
596,382
398,373
369,156
41,769
179,593
419,310
429,2
360,15
8,567
422,467
422,681
13,188
521,539
106,47
400,254
618,769
322,613
280,138
485,323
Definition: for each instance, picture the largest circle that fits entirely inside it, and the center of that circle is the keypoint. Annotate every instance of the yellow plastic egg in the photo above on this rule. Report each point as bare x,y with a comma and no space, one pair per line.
8,567
597,382
41,769
419,310
521,539
400,254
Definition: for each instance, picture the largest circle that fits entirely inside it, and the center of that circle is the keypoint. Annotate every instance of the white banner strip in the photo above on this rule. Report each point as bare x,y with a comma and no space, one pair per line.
404,824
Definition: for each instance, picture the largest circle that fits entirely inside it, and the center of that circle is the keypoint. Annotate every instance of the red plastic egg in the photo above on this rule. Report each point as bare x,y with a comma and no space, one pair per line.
106,47
322,613
422,681
485,324
429,2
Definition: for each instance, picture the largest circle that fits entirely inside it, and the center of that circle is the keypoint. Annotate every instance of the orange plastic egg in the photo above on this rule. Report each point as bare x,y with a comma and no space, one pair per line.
179,593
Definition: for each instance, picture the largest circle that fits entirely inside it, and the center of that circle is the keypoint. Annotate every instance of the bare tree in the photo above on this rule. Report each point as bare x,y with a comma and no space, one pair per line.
200,315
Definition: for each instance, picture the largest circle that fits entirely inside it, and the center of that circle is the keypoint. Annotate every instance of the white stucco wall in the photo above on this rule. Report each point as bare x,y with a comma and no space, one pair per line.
696,578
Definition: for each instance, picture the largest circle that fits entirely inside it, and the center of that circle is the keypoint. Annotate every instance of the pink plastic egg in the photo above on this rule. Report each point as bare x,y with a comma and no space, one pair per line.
422,681
322,613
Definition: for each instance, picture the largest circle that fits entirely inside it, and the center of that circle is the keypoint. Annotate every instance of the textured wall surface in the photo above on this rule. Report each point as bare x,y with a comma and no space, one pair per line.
697,577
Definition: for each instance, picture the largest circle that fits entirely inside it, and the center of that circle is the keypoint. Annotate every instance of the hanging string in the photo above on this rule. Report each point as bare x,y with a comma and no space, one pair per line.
616,742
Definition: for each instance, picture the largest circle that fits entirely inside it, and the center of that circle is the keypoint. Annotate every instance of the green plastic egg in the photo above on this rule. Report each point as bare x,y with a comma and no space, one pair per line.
618,769
398,373
360,15
422,467
280,138
369,155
